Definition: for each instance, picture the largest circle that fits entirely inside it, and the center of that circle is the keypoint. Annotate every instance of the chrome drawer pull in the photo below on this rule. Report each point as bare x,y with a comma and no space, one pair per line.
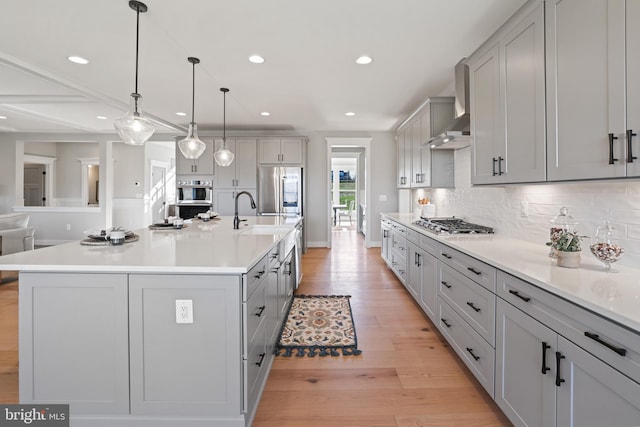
596,338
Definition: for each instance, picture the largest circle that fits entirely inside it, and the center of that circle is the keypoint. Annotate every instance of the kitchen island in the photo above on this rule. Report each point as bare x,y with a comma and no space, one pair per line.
176,328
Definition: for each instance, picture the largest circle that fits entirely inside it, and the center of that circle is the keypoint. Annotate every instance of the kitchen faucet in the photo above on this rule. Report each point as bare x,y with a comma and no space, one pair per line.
236,220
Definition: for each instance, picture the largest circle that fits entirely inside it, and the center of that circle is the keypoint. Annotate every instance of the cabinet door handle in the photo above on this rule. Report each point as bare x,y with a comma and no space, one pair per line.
545,347
474,271
494,166
500,159
260,311
446,284
259,362
612,138
596,338
385,233
444,322
559,357
470,350
259,274
472,305
516,293
287,270
630,156
447,256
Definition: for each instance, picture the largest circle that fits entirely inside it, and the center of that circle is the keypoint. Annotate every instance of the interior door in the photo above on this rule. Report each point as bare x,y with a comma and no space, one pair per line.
158,193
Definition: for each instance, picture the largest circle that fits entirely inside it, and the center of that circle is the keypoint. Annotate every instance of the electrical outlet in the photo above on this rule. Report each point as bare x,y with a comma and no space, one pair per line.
524,209
382,198
68,227
184,311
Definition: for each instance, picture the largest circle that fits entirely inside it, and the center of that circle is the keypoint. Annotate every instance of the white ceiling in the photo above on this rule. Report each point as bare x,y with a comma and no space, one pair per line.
308,81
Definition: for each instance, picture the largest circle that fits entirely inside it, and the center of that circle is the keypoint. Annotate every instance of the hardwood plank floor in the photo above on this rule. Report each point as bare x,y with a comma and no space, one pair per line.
406,376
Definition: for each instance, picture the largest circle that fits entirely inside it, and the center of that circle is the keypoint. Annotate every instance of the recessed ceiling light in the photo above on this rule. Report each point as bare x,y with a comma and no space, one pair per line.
364,60
3,117
78,60
101,117
350,114
256,59
180,113
265,113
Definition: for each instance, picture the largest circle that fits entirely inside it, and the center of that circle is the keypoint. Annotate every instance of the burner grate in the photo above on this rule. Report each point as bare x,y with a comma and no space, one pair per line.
453,226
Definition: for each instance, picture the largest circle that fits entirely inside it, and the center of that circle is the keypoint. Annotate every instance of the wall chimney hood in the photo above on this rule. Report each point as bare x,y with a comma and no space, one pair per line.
458,134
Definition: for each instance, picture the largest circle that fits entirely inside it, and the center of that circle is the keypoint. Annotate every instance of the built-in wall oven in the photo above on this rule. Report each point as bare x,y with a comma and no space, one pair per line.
194,197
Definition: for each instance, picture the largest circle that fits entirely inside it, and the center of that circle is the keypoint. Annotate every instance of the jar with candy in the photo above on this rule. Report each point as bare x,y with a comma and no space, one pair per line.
605,246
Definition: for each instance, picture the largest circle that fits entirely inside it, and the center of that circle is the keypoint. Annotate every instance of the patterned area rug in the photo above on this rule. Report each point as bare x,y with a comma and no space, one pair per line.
318,325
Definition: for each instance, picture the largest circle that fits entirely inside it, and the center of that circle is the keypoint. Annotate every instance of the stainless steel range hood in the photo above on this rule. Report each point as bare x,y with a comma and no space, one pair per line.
458,134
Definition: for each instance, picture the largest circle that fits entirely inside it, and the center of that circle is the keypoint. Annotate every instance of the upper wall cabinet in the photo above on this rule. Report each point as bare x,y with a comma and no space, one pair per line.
593,52
418,165
200,166
507,90
242,172
285,151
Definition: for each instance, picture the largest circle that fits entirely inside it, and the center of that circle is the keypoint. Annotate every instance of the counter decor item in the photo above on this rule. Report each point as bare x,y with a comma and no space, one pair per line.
566,245
113,236
560,223
605,246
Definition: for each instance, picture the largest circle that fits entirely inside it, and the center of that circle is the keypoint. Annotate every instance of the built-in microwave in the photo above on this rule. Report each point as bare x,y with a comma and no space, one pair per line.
195,193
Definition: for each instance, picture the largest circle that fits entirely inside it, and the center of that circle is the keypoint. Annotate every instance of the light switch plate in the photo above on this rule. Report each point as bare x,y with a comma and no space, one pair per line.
184,311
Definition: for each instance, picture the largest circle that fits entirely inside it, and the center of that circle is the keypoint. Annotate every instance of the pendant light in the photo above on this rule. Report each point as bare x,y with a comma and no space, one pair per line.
133,128
224,157
191,147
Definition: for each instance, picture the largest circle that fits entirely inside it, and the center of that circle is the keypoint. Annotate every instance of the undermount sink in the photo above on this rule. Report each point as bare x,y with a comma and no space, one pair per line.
266,229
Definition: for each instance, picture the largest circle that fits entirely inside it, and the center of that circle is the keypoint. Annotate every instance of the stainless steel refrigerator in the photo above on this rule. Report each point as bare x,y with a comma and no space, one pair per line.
279,190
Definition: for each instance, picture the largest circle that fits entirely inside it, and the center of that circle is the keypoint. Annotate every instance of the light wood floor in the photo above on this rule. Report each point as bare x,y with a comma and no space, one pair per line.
406,376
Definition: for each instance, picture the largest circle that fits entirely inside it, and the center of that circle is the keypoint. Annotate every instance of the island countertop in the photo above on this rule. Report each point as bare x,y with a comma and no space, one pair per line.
211,247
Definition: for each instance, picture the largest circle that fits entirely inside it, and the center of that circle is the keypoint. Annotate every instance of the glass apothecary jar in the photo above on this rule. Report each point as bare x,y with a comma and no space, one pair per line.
559,224
604,245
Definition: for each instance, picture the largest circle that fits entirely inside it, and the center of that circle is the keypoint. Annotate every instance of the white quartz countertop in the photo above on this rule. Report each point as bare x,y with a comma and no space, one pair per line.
612,294
211,247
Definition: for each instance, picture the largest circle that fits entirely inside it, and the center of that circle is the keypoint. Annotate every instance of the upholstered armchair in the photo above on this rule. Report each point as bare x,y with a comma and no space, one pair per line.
15,235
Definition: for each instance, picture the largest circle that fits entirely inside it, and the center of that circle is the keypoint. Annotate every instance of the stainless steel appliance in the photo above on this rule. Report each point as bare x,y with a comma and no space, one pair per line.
279,190
452,225
194,198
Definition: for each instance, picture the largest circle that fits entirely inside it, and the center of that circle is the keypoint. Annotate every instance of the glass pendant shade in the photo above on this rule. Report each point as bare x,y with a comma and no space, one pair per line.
133,128
191,147
224,157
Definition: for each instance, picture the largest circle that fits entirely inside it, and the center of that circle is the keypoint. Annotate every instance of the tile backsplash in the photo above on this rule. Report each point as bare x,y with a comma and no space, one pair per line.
502,207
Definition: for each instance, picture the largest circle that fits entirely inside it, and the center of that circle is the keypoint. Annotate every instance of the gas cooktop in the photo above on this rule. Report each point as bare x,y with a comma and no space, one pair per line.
452,225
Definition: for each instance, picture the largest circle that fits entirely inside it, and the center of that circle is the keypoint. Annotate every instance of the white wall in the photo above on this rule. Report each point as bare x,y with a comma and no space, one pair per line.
500,206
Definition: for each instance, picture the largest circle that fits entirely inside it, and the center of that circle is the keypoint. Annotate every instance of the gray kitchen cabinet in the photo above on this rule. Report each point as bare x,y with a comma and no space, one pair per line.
200,166
422,276
592,393
415,257
398,251
282,151
403,155
418,165
586,60
565,356
183,368
224,201
385,228
507,88
85,313
525,368
633,87
242,173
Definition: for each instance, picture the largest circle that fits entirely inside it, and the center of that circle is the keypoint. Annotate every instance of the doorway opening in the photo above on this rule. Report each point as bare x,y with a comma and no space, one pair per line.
348,186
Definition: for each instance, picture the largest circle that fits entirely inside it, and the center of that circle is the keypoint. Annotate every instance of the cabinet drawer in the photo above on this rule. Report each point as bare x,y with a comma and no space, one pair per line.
473,302
472,349
606,339
399,243
414,236
400,229
476,270
399,264
255,275
256,311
